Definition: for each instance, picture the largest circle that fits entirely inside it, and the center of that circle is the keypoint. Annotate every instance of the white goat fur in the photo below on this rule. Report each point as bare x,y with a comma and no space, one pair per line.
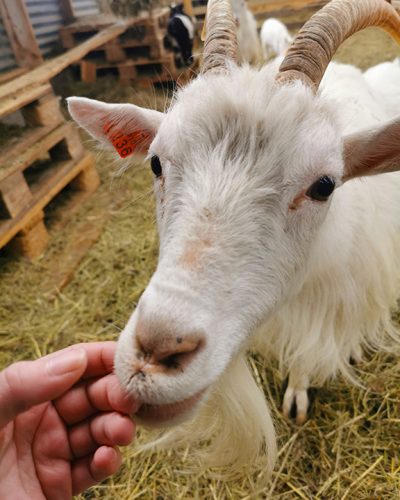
310,287
384,79
275,38
247,34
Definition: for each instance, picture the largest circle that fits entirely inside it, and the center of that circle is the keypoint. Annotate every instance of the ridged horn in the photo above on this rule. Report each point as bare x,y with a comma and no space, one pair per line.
221,41
318,40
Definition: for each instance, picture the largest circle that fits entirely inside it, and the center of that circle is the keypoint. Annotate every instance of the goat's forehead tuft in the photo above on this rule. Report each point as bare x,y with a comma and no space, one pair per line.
244,114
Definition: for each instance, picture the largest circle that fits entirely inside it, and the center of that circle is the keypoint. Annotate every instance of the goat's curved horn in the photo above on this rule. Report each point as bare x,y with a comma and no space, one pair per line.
318,40
221,41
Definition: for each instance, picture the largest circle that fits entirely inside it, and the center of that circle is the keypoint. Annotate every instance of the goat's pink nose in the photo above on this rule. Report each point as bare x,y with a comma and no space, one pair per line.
166,350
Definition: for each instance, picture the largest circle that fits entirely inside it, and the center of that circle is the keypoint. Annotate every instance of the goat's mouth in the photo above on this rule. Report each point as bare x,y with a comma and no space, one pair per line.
168,414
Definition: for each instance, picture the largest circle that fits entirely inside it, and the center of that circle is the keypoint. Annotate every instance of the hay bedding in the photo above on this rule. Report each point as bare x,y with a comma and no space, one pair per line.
349,448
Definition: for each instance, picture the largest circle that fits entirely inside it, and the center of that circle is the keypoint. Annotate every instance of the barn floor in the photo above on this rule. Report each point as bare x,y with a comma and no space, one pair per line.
350,446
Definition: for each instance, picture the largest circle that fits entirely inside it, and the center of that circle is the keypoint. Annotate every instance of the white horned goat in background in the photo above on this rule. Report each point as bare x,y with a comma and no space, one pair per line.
273,228
249,49
275,38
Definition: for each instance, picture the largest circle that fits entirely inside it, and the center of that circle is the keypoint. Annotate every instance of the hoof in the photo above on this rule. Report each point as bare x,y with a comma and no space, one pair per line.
297,404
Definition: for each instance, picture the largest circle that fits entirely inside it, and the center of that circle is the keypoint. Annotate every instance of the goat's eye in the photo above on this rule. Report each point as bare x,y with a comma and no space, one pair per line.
321,189
156,166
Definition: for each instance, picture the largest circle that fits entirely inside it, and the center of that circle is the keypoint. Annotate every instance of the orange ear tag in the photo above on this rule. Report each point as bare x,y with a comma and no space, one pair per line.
127,144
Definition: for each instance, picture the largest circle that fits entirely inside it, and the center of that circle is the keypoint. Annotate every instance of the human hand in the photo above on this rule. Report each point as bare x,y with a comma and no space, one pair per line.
61,418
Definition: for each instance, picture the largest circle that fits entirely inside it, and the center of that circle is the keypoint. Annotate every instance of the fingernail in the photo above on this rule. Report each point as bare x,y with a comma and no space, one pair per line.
66,362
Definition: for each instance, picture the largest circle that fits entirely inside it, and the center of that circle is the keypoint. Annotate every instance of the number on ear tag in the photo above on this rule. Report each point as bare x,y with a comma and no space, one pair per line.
127,144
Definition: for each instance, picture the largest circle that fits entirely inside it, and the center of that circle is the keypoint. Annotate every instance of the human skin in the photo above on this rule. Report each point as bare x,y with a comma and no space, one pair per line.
62,418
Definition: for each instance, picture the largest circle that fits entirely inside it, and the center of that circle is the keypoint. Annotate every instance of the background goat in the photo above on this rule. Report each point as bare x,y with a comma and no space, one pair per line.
180,35
266,233
384,79
275,38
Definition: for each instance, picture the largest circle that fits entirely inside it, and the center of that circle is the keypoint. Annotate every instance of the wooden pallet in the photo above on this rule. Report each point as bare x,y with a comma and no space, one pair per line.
129,71
27,233
34,168
119,51
143,37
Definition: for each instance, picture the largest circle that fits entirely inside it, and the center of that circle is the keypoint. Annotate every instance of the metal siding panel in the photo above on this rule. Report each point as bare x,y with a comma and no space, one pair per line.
85,7
46,20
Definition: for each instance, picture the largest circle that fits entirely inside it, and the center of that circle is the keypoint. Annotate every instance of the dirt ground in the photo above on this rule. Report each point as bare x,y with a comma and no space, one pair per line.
349,449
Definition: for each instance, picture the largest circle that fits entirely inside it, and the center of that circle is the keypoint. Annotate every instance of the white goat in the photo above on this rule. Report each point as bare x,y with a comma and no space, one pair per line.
266,233
275,38
247,35
384,79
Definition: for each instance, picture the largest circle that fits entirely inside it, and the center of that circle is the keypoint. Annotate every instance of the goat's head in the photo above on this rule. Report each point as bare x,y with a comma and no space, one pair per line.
245,165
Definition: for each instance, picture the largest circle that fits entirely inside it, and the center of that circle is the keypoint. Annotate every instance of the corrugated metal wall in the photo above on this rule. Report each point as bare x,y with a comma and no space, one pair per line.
46,20
85,7
7,60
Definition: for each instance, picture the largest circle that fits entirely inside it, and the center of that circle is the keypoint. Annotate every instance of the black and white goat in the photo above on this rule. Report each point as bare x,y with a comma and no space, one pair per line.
180,35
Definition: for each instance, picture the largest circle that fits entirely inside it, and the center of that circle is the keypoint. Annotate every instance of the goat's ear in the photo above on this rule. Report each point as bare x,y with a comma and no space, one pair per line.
126,127
373,151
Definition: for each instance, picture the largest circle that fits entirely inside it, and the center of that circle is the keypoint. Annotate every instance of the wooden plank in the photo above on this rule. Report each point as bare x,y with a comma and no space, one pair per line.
67,11
24,158
266,6
167,60
44,111
10,75
88,71
15,193
13,102
31,241
199,11
90,23
64,174
22,144
20,33
188,7
43,73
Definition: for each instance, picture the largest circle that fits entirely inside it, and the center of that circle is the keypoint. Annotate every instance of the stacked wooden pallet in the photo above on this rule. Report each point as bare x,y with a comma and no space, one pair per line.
137,54
47,157
35,167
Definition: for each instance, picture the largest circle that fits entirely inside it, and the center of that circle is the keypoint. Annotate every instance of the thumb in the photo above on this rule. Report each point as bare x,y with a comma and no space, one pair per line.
28,383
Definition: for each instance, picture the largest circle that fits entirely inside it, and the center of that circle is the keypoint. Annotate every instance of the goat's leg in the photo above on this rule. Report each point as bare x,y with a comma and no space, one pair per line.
356,356
296,400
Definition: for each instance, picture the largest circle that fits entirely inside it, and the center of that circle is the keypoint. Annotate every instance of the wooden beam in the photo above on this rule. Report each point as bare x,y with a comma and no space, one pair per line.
265,6
188,7
67,11
14,102
11,74
15,90
20,33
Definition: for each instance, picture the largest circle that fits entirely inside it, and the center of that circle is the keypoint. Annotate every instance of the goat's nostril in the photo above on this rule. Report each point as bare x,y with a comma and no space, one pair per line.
179,355
166,351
